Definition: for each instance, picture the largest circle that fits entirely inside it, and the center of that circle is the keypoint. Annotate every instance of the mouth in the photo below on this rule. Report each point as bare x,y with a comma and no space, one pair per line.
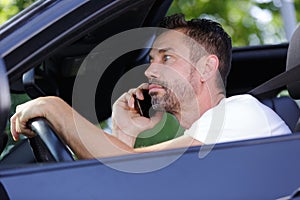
155,88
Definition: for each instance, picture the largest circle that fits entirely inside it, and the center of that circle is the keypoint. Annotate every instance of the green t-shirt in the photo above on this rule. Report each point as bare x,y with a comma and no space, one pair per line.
168,128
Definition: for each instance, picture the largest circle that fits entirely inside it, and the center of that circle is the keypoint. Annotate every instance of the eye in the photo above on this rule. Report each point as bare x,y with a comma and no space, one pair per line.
150,59
166,58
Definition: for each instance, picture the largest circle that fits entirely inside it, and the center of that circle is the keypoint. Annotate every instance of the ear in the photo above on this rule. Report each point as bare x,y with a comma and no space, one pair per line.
209,67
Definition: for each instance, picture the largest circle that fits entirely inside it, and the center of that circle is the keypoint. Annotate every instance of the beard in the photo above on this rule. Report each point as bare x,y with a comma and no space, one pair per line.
166,102
175,95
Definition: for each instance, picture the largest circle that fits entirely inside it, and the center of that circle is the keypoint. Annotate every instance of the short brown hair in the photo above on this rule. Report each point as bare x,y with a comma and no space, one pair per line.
208,34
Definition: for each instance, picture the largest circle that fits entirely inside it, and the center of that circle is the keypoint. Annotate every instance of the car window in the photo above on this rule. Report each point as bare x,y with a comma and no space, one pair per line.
16,99
249,22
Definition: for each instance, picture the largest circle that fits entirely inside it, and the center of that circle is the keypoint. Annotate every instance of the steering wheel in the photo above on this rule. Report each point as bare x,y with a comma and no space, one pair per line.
46,145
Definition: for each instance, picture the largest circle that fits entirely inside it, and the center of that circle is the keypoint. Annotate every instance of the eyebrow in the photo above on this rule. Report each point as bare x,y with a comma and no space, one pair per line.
164,50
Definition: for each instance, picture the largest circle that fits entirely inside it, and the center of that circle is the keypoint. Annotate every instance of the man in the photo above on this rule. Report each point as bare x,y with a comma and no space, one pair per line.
188,68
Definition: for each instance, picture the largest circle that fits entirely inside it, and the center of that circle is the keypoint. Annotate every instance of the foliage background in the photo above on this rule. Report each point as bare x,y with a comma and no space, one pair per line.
9,8
249,22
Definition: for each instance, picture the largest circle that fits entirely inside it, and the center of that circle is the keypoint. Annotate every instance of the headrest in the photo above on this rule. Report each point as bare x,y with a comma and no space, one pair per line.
293,59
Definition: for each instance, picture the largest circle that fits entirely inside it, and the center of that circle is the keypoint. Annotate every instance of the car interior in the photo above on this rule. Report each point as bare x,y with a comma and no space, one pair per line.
286,107
251,67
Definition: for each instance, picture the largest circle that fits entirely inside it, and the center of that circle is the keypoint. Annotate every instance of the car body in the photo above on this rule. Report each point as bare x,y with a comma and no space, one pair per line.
55,36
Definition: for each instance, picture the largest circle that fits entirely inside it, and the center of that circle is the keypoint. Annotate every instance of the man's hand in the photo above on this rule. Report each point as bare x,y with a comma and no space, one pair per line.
127,122
39,107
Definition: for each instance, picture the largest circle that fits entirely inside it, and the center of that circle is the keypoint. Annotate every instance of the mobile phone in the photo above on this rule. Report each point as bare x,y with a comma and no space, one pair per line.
143,106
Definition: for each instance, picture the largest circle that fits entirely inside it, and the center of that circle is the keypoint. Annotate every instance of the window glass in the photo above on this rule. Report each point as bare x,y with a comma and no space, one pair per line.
16,99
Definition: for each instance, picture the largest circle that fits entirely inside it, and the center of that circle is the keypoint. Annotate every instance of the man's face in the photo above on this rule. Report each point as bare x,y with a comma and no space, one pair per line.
172,76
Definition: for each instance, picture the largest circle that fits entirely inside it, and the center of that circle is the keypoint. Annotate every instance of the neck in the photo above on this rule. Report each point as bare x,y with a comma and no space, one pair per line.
192,111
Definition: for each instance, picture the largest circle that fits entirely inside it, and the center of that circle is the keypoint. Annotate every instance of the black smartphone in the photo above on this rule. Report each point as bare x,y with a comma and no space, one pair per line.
143,106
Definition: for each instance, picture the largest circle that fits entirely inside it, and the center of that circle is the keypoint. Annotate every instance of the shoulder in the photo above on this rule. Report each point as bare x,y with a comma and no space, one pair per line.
248,109
246,105
248,114
237,118
242,100
237,106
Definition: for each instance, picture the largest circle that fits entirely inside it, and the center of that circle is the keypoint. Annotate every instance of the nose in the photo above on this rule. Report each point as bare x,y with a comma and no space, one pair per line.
152,71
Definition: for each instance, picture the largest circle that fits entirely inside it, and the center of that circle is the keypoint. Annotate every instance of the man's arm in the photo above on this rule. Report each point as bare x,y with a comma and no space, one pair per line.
84,138
183,141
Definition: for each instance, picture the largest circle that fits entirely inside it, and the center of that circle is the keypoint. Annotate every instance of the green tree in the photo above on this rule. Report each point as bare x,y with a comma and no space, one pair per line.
249,22
9,8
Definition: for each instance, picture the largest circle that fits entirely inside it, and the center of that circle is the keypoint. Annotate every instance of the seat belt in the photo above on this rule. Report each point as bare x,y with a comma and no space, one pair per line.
283,79
290,76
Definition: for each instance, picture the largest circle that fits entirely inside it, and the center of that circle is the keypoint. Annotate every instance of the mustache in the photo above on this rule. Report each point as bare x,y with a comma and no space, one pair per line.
155,81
